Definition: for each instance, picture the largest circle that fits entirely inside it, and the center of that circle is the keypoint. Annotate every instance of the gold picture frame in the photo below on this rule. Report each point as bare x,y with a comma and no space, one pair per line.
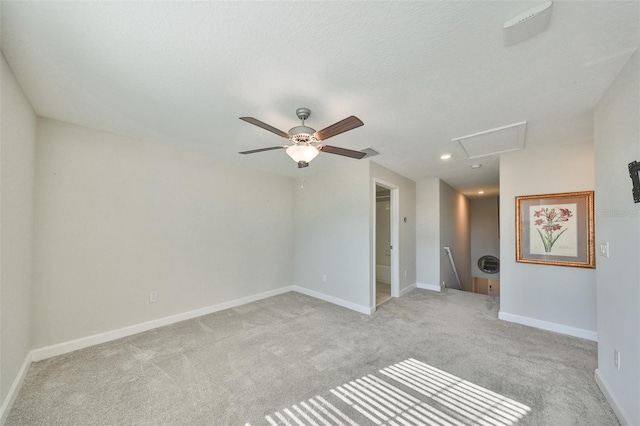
556,229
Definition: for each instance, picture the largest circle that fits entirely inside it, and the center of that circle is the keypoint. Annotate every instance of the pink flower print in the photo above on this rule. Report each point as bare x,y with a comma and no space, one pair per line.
548,223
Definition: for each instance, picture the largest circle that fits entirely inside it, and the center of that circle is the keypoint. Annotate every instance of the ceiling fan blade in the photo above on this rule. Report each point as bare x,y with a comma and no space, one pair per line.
253,151
342,151
339,127
265,126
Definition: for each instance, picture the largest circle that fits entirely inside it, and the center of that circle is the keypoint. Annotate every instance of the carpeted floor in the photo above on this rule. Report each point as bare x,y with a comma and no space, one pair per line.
408,393
243,364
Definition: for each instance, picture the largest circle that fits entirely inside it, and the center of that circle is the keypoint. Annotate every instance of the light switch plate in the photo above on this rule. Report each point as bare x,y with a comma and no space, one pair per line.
604,249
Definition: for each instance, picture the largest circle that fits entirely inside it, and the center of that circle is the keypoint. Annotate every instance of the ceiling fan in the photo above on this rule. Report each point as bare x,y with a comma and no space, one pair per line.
306,142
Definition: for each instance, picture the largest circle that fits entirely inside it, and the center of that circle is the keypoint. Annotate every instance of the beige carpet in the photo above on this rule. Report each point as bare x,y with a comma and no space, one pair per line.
240,365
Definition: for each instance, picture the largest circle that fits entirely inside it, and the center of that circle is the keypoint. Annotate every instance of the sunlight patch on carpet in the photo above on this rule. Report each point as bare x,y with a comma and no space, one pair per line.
409,393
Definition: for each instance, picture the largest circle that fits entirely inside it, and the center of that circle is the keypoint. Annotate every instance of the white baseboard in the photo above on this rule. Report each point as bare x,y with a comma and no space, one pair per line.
550,326
620,413
336,301
15,388
432,287
84,342
407,289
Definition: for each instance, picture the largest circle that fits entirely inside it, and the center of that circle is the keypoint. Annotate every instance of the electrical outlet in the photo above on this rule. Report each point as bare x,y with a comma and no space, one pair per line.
405,272
153,297
324,278
616,359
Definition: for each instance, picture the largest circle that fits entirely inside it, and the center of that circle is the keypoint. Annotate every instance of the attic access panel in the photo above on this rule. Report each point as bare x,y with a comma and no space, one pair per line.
494,141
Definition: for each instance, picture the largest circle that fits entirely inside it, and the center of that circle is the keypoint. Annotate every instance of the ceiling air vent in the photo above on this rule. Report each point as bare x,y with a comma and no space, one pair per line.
370,151
527,24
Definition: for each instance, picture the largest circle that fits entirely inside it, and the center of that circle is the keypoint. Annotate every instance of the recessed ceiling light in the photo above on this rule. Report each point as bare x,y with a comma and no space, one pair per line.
445,156
480,192
476,166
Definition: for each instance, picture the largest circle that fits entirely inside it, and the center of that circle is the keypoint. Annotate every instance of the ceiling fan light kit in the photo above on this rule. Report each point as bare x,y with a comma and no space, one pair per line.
304,153
306,142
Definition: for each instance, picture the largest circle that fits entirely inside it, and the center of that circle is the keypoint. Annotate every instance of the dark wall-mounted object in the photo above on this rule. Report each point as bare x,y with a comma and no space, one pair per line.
634,173
489,264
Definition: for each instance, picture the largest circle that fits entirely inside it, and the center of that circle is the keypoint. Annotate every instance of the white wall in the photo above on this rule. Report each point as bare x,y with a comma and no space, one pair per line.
118,218
554,297
407,230
428,233
484,233
331,221
617,143
454,233
17,147
334,233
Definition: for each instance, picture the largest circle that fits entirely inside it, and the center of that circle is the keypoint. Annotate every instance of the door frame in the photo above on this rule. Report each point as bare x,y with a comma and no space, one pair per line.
395,238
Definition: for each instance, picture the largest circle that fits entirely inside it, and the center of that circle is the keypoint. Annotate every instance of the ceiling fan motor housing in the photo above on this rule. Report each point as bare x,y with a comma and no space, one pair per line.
302,134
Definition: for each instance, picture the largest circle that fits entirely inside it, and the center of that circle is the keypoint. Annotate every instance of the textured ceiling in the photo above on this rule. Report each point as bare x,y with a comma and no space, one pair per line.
417,73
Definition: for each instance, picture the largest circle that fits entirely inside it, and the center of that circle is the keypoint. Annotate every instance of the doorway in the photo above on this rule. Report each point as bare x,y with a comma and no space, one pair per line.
385,240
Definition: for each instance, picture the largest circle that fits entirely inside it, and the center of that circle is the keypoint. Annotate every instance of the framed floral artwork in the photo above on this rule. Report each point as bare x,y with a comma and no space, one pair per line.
556,229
